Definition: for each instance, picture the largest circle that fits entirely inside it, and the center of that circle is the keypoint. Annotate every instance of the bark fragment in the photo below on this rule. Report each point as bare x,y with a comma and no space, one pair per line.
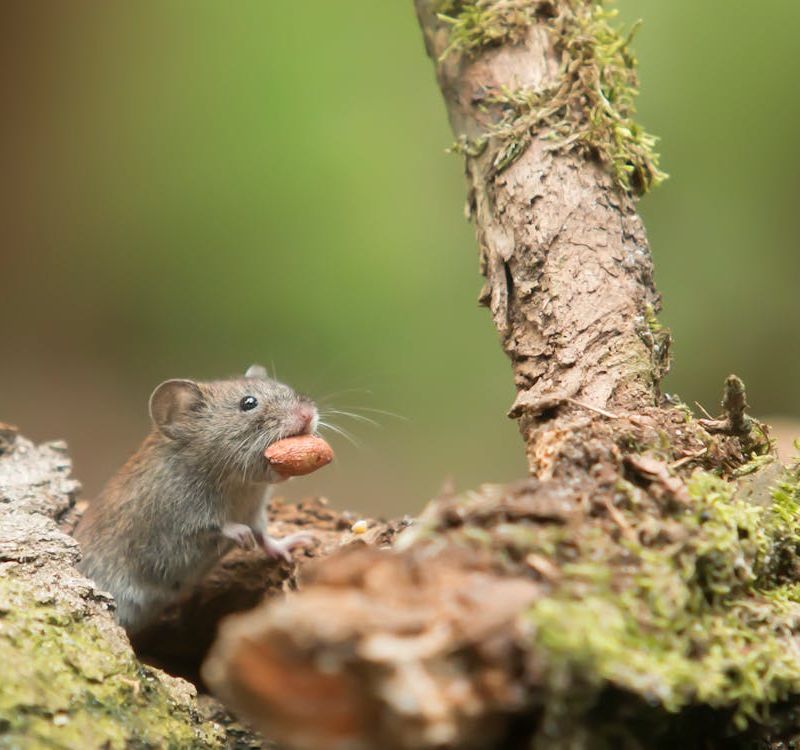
385,630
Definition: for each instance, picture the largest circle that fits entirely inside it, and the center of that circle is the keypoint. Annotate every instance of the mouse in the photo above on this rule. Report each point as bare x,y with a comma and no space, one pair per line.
197,486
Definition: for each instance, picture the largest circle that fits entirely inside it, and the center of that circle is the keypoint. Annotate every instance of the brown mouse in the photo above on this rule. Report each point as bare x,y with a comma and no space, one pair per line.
198,484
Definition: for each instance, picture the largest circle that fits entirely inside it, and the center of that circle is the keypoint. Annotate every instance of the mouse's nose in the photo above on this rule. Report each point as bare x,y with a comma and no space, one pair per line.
307,416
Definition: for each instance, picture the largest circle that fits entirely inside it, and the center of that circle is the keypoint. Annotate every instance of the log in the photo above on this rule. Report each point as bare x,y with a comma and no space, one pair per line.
69,675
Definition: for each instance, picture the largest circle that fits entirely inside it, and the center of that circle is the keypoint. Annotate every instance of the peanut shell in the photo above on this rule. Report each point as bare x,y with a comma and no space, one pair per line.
298,455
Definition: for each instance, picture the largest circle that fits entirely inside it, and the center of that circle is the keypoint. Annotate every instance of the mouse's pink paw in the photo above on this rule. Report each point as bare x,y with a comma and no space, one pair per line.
280,549
241,534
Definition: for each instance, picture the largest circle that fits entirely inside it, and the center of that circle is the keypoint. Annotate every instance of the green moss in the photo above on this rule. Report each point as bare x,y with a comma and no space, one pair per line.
477,24
659,342
755,464
785,507
64,685
704,615
653,324
589,108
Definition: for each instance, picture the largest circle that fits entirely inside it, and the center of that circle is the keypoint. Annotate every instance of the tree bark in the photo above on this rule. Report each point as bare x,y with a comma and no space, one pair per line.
569,278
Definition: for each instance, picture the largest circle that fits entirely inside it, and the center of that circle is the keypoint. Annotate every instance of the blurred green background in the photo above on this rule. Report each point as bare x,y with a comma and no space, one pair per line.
192,186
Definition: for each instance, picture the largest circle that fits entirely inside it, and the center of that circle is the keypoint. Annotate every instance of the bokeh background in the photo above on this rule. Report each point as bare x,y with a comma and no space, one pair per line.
188,187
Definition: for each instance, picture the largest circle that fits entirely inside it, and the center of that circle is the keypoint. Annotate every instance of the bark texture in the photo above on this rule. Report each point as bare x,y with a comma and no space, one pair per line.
569,277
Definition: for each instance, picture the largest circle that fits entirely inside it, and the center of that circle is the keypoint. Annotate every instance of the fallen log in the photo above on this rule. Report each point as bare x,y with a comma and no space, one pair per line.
69,676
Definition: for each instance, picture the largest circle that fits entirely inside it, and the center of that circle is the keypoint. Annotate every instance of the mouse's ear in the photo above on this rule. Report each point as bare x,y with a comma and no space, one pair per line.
171,402
257,371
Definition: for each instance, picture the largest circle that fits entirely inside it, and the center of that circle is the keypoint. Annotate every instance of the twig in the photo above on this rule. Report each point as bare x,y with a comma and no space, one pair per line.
596,409
703,409
687,458
619,519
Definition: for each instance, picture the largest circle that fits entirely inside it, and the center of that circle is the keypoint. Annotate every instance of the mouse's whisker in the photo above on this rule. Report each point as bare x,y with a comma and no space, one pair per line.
237,457
351,415
221,467
217,467
339,431
247,461
254,458
381,412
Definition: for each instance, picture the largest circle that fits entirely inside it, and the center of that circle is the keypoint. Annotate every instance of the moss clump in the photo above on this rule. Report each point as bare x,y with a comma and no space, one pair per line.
659,340
477,24
589,108
703,615
64,685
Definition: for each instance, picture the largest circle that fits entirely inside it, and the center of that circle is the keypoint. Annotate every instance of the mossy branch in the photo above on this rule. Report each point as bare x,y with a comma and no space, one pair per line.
735,421
592,106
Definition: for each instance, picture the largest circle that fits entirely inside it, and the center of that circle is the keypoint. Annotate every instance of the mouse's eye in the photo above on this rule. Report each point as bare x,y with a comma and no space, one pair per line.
248,403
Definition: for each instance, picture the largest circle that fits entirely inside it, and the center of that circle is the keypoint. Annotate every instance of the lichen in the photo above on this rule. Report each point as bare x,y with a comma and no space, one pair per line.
64,686
589,108
704,615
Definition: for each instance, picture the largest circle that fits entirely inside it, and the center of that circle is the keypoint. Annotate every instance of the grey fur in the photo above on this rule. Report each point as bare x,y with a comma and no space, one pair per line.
198,481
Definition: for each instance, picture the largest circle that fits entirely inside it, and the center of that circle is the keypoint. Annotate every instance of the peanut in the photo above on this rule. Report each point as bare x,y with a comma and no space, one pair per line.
298,455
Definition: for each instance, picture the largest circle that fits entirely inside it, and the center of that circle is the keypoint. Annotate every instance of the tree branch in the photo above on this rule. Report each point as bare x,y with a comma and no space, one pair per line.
567,265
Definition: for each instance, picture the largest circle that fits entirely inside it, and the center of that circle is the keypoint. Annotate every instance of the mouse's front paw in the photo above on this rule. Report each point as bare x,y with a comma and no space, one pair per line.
241,534
280,549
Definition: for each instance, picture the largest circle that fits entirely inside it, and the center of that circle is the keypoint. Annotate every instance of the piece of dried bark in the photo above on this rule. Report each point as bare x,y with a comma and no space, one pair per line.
417,653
